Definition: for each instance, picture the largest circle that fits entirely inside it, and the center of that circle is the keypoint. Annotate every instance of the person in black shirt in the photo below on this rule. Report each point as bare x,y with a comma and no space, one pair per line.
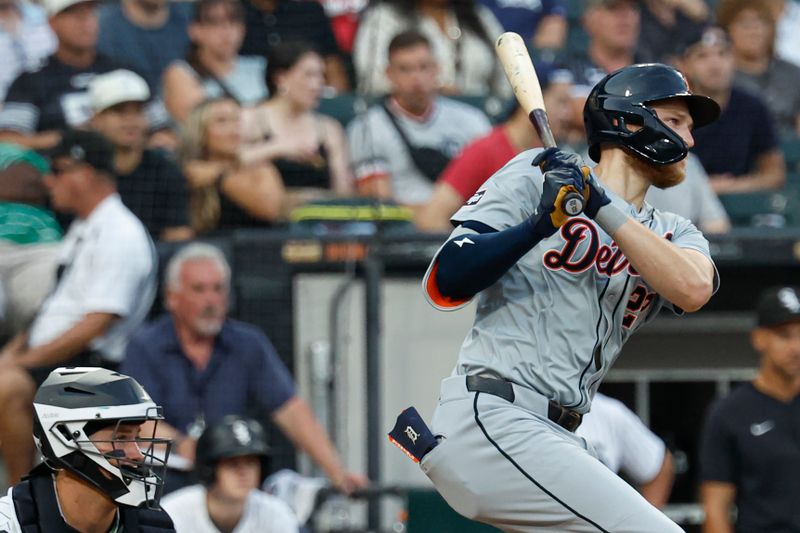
271,22
750,452
739,151
149,183
612,28
224,191
41,103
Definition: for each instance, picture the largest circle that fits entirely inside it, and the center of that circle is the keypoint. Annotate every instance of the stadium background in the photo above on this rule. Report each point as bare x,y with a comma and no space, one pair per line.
346,314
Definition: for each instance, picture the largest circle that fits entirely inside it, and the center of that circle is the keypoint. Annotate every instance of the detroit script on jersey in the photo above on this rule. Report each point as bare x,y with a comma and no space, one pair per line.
557,320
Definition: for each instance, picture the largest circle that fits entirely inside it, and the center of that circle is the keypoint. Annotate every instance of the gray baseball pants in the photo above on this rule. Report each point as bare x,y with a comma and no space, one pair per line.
507,465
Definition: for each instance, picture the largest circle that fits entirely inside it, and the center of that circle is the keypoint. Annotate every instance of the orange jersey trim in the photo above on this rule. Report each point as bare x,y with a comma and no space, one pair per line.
437,297
372,176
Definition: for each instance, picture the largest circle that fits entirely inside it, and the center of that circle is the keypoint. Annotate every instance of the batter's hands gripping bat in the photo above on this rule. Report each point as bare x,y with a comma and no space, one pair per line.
519,70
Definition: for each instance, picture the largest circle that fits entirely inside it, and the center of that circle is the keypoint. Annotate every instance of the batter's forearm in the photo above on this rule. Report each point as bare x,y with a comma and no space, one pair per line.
683,277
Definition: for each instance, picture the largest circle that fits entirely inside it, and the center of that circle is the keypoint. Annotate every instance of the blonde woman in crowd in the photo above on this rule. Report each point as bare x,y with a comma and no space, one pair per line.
224,192
308,149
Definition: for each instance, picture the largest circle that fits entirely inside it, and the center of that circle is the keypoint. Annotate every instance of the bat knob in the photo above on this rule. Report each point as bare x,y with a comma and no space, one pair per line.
572,204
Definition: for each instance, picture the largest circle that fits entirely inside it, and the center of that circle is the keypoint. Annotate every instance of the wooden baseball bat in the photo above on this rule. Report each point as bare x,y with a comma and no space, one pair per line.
522,76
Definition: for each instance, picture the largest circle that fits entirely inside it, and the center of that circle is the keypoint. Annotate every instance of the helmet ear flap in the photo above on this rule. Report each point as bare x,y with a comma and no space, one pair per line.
206,472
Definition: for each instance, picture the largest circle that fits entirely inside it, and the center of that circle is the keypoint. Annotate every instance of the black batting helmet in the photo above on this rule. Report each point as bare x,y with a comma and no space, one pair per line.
233,436
622,98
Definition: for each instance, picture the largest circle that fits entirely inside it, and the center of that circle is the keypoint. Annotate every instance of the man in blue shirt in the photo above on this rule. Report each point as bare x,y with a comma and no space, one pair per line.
200,366
147,35
541,23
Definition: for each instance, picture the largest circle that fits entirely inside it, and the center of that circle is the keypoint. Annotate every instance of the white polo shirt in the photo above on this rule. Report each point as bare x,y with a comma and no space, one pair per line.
109,266
262,513
621,440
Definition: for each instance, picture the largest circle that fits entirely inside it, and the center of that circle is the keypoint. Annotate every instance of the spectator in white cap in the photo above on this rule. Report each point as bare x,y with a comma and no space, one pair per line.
148,181
41,103
25,40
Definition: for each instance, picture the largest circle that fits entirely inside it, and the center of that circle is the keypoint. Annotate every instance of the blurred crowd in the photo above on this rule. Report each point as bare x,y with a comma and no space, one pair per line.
231,113
129,122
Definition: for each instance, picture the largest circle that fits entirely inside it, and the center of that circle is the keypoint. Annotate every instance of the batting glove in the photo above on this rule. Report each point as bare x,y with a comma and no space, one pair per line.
553,158
594,196
557,184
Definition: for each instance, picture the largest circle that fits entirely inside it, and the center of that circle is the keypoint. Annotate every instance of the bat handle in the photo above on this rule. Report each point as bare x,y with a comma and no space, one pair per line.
572,204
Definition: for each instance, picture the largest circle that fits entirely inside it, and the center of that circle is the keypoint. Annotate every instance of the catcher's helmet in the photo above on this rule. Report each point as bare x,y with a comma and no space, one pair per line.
233,436
72,404
622,98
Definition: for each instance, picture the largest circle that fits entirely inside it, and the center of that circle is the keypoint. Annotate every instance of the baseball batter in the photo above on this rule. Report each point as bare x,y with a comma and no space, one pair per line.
558,298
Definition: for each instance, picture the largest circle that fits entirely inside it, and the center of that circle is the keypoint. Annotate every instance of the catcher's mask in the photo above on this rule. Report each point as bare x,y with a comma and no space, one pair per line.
89,421
624,97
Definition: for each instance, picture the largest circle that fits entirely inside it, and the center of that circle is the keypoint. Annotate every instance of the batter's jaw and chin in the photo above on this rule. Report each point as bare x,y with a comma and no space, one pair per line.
660,176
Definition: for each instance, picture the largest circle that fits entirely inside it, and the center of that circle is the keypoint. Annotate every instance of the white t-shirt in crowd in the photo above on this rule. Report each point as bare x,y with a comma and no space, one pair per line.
108,265
262,513
377,149
622,442
787,38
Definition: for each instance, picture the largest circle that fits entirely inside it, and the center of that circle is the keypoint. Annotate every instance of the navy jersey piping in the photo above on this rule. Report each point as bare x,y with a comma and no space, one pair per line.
522,470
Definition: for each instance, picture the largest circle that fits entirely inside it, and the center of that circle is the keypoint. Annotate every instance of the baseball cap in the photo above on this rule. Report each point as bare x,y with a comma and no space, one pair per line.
115,87
87,146
12,154
704,36
778,305
54,7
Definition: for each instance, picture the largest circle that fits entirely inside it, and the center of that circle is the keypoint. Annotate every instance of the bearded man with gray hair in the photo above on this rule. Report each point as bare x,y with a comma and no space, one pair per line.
201,365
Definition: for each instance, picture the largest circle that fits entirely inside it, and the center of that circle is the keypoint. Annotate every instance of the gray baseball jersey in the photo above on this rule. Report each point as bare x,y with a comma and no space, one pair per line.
552,326
556,321
377,149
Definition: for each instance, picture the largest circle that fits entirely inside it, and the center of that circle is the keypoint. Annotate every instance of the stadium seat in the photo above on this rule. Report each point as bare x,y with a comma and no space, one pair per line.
343,107
790,146
495,108
769,209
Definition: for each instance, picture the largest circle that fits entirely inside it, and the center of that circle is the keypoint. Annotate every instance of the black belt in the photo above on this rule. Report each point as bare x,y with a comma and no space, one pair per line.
566,418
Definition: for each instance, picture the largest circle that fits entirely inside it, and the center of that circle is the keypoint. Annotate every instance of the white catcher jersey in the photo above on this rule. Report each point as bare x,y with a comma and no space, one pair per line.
8,516
557,320
262,513
9,523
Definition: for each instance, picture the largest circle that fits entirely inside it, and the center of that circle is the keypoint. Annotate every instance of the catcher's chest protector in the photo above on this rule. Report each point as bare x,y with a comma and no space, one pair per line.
37,511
